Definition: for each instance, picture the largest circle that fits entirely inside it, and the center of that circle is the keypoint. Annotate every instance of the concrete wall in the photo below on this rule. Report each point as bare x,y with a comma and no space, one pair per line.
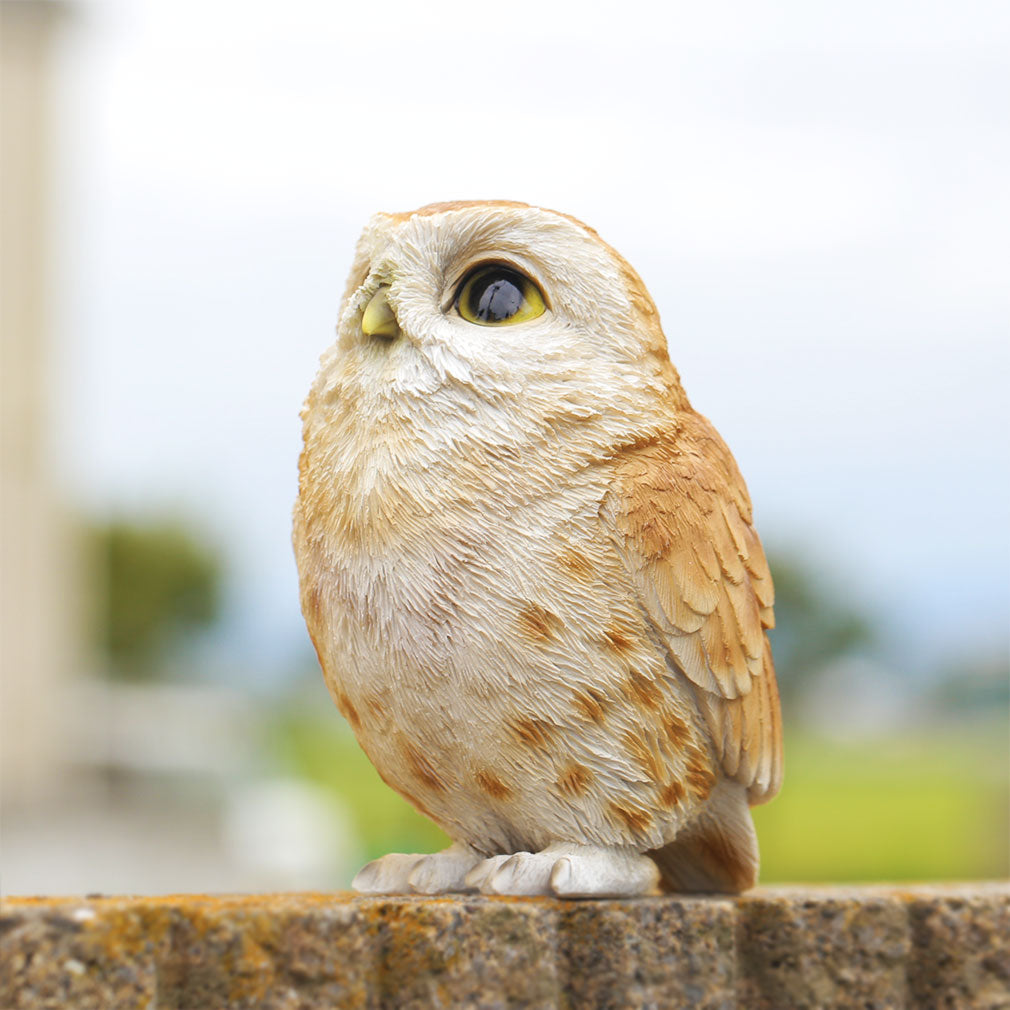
942,946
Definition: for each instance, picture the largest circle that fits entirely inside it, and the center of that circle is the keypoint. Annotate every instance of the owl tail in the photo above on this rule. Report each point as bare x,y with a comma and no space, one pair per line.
717,851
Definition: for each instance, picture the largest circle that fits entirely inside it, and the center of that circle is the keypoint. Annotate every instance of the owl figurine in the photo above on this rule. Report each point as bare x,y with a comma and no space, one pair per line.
529,569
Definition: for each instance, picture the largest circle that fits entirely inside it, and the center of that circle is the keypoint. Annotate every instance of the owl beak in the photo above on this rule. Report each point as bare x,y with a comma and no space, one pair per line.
378,319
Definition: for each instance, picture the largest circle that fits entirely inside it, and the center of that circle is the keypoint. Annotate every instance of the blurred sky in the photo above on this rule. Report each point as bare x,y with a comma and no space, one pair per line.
815,194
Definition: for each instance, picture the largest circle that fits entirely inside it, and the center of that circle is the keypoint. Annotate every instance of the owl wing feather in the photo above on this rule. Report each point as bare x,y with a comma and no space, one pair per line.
680,516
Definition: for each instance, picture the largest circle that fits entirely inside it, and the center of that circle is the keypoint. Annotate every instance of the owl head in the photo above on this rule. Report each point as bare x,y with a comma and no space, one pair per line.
484,300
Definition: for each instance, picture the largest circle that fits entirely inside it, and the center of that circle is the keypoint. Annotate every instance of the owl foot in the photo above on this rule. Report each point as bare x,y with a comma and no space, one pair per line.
399,873
566,870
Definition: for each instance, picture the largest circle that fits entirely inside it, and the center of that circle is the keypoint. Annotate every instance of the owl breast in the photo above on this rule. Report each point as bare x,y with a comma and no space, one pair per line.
482,637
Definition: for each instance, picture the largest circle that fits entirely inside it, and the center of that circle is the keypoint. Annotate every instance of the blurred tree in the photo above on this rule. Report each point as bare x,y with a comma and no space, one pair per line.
813,624
972,686
158,582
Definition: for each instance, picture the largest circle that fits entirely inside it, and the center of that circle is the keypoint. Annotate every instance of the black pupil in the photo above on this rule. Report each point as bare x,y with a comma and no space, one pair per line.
497,297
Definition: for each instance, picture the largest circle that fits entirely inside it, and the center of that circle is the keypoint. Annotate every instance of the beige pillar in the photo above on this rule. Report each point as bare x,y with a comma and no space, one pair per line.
38,626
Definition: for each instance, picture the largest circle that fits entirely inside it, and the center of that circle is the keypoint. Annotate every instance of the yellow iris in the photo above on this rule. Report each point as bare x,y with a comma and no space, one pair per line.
496,295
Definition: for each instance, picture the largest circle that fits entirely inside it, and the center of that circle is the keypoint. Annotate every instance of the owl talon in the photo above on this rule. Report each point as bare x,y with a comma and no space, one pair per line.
445,871
387,875
604,873
567,871
562,876
477,879
522,873
400,873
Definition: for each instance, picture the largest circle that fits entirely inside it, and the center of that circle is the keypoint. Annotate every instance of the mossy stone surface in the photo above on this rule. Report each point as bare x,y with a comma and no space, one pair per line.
875,947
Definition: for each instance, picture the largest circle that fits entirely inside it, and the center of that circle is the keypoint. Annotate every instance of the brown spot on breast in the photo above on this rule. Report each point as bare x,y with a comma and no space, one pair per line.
636,820
677,731
700,778
577,564
422,768
532,732
671,794
645,757
575,779
537,623
348,711
644,690
590,703
491,784
619,638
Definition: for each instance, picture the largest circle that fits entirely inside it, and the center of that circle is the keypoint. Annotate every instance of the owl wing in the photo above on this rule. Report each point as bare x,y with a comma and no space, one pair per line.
680,517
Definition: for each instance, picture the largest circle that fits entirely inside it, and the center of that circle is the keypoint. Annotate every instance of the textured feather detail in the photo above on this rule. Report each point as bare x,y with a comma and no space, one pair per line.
681,518
716,852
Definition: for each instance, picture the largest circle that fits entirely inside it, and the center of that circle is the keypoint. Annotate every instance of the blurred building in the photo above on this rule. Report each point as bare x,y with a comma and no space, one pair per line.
40,644
103,786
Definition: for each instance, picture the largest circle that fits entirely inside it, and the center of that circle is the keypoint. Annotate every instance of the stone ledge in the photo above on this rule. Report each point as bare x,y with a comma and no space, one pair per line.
867,947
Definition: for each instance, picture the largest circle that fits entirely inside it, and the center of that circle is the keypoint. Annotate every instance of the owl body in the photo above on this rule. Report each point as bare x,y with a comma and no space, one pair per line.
512,540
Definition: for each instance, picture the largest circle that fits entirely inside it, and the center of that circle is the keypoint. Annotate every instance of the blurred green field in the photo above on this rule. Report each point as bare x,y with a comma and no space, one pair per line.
929,806
933,805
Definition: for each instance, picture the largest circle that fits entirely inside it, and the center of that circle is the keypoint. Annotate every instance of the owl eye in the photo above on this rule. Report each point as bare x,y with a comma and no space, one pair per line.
493,295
